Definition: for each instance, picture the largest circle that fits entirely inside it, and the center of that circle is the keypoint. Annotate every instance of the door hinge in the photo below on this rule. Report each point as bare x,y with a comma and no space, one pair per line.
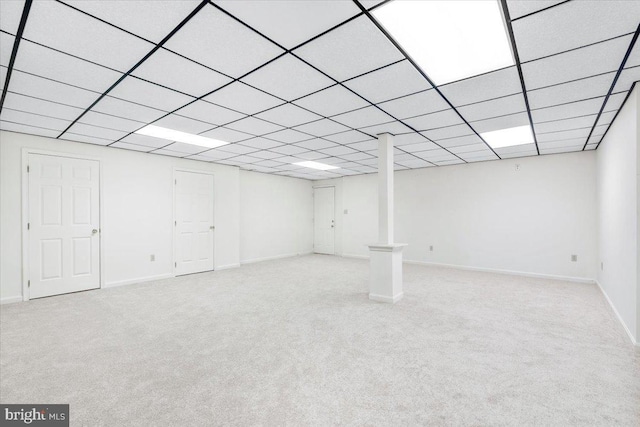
175,181
175,223
28,283
28,226
27,168
175,264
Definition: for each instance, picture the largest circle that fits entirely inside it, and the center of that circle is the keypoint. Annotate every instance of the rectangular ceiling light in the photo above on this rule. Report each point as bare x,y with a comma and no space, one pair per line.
449,40
176,135
316,165
508,137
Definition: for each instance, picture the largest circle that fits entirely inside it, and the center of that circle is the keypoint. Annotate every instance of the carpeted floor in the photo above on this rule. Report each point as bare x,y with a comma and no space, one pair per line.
297,342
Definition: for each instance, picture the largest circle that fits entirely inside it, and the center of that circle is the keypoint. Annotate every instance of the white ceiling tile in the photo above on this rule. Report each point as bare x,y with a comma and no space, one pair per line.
261,143
448,132
349,137
415,163
289,136
288,78
31,130
289,150
565,124
311,155
462,141
11,14
175,72
322,127
413,105
226,134
254,126
96,131
367,116
38,106
389,82
407,139
185,148
569,92
48,63
6,47
356,157
331,101
420,146
518,8
127,109
338,150
516,149
38,87
266,154
147,141
268,163
170,153
503,122
69,136
574,109
150,19
615,101
245,99
238,149
104,120
215,154
494,108
627,78
350,50
478,147
589,61
150,95
288,115
483,87
210,113
606,117
220,42
563,135
29,119
572,25
61,27
434,120
127,146
394,128
316,144
184,124
290,23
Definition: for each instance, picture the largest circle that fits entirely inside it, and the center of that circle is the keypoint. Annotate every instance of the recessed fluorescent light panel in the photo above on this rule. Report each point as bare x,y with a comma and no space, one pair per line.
316,165
176,135
509,137
449,40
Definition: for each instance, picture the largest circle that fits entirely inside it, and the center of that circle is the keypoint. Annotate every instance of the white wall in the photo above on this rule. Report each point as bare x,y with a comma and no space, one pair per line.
484,215
138,212
276,216
618,186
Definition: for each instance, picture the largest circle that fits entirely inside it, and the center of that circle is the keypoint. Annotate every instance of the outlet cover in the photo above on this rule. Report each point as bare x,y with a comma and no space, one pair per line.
152,257
574,258
430,248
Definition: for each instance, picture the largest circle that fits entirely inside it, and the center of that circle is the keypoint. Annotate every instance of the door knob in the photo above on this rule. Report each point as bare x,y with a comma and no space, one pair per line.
94,231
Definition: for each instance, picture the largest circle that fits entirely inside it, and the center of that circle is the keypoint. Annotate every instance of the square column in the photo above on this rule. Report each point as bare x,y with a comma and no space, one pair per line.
385,256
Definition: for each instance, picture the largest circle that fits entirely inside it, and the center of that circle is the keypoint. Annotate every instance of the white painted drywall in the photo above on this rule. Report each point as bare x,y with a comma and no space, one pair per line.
276,216
138,212
484,215
618,186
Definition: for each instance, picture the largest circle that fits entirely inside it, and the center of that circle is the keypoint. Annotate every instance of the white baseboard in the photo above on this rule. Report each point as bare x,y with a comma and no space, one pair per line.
226,267
489,270
270,258
11,300
137,280
384,298
615,311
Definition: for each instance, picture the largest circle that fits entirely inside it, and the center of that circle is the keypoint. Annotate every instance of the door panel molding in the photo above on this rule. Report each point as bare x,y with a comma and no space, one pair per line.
26,152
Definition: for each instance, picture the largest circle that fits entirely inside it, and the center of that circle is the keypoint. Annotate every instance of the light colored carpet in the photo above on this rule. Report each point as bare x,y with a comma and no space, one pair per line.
297,342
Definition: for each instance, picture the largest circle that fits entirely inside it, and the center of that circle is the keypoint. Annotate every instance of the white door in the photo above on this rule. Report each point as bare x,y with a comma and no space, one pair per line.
194,222
323,220
63,225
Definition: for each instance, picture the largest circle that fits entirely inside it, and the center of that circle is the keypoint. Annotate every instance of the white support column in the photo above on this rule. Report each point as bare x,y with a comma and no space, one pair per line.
385,256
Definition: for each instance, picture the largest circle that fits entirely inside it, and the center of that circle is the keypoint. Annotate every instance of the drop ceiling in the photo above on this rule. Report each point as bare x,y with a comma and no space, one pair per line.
292,81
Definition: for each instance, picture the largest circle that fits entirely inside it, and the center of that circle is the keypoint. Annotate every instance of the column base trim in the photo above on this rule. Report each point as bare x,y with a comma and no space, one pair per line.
387,299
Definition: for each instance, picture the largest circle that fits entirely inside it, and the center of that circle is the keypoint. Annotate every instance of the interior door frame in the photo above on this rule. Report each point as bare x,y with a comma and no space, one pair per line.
174,228
334,216
25,212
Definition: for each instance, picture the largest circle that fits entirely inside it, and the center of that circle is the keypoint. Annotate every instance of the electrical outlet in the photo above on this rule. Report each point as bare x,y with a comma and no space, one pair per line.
517,167
574,258
152,257
430,248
